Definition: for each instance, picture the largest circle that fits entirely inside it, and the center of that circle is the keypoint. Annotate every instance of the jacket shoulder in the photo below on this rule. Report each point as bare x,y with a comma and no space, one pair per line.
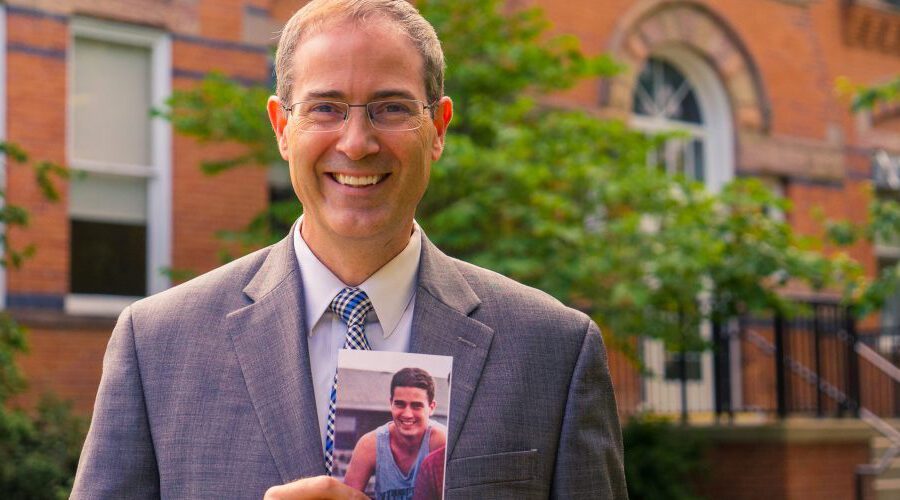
220,289
518,303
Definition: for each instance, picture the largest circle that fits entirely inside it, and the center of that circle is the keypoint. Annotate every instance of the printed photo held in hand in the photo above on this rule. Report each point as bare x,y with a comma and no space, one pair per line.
391,423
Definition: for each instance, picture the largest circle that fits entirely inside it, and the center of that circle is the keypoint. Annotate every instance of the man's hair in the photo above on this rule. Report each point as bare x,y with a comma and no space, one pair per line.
413,377
318,15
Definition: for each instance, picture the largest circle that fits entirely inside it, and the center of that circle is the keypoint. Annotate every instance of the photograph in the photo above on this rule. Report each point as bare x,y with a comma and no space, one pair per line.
391,423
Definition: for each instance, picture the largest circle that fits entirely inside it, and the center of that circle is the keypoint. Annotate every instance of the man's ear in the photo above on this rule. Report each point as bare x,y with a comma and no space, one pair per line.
443,113
278,118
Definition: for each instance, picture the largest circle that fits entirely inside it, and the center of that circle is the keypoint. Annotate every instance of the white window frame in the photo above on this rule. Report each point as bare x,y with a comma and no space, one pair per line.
3,42
717,131
158,175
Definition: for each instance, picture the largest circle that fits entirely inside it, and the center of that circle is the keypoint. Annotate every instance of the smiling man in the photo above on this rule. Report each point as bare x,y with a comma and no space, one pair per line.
394,451
224,387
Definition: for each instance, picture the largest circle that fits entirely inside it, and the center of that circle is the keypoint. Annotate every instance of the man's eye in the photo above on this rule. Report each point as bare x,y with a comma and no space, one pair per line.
394,108
324,108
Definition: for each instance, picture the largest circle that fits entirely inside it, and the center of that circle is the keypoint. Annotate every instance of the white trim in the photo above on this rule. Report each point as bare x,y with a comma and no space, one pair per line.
2,138
887,251
159,196
97,305
159,173
659,125
102,167
115,32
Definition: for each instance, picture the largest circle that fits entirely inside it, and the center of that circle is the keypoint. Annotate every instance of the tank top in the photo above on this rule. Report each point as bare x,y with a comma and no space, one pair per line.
390,483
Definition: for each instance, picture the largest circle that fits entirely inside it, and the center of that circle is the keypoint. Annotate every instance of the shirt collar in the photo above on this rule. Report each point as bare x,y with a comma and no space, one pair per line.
390,289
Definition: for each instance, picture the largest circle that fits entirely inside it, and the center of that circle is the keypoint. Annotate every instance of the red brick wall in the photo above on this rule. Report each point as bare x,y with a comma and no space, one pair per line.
36,121
780,470
66,362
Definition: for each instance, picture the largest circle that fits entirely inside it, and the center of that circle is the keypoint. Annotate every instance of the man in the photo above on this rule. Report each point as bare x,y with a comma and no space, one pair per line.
394,451
222,387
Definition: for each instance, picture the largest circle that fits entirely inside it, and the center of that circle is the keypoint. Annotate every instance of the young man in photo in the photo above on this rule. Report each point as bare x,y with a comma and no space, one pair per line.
394,451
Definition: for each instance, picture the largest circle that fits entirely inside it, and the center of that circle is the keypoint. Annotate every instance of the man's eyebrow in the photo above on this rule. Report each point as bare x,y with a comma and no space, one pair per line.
324,94
378,95
387,93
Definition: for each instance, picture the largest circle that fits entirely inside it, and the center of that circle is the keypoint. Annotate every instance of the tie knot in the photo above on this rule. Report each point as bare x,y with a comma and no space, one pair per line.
352,305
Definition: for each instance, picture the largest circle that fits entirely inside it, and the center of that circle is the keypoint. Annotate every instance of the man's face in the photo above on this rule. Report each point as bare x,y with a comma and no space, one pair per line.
411,410
359,64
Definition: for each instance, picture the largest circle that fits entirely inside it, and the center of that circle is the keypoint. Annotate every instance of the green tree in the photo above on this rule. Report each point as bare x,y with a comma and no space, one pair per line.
883,223
39,449
556,198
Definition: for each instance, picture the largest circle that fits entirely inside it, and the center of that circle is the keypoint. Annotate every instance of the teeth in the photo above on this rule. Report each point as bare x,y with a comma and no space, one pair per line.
357,180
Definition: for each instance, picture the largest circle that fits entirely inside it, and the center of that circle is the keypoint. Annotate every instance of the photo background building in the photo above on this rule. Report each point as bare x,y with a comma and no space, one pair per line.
364,396
750,82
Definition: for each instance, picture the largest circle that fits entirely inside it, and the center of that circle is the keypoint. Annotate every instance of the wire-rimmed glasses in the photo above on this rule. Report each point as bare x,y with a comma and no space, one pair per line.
394,115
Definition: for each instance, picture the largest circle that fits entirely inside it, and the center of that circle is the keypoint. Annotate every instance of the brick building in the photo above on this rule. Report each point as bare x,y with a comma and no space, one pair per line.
752,82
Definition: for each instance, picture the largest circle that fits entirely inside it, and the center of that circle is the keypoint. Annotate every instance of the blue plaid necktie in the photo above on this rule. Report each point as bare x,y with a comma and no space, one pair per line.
352,305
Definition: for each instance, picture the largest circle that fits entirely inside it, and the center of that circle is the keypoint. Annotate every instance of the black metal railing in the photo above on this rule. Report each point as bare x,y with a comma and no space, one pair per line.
814,363
799,365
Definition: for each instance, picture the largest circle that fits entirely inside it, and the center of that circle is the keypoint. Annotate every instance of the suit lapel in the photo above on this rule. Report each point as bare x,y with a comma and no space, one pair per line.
270,339
441,325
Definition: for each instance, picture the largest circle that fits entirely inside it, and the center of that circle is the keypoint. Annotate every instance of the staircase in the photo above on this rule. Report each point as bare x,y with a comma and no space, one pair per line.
883,471
887,485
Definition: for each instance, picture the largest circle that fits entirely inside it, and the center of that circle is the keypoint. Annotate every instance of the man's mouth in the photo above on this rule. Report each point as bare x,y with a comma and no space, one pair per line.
407,423
358,180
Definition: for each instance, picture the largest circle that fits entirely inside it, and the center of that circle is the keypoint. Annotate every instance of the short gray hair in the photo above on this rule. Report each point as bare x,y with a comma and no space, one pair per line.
317,15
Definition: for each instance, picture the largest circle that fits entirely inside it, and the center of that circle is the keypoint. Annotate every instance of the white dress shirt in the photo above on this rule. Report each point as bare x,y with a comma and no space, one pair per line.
392,290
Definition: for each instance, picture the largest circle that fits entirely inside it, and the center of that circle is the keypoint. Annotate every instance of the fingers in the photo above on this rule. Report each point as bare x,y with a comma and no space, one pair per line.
314,488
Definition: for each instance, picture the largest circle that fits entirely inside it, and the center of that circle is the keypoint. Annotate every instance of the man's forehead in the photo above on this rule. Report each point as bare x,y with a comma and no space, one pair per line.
373,53
416,392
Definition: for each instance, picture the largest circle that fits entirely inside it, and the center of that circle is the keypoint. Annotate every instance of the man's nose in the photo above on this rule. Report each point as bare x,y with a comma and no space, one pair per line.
358,137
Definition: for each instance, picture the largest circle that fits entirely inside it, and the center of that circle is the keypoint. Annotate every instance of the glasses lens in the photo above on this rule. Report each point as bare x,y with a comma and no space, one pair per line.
320,116
397,114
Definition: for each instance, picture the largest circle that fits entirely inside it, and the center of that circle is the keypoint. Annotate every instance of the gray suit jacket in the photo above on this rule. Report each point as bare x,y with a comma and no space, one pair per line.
207,393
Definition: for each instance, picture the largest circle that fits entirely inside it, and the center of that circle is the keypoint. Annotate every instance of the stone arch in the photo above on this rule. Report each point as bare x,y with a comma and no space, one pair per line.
654,25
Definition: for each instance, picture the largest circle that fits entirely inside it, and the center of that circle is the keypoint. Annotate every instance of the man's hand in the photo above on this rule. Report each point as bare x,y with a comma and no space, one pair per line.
314,488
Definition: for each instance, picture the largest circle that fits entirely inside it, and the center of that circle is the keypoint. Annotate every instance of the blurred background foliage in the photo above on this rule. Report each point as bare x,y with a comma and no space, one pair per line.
663,460
39,447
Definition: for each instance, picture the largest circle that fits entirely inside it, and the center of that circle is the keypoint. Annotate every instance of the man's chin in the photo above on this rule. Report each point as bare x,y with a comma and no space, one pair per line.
410,431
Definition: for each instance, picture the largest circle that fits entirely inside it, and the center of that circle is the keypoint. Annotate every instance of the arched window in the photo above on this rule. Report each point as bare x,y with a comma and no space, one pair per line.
677,91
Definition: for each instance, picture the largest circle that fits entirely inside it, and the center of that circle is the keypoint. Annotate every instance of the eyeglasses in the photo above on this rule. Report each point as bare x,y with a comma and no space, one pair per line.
396,115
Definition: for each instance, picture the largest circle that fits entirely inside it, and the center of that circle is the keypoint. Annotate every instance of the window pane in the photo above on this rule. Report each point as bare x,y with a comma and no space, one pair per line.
643,100
108,258
663,91
110,102
692,368
699,163
108,198
689,110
